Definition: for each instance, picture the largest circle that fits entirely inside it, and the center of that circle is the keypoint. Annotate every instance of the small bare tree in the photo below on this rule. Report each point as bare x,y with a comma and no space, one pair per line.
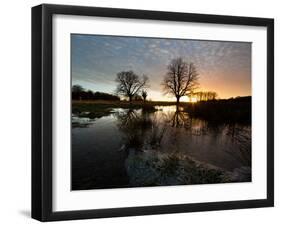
205,96
129,84
181,78
144,94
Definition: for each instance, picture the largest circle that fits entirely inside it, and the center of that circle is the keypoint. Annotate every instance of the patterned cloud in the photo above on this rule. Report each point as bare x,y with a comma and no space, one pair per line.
224,66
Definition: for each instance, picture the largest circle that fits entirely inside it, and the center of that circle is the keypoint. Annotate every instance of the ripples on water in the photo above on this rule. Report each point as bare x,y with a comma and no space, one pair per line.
132,148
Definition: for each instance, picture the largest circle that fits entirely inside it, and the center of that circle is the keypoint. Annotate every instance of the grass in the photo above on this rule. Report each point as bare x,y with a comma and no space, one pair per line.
226,111
100,108
120,104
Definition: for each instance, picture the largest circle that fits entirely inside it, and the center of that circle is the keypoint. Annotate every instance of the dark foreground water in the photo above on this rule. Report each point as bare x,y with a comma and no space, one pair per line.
133,148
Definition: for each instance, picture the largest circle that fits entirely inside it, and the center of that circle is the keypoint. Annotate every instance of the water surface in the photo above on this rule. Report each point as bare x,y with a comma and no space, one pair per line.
132,148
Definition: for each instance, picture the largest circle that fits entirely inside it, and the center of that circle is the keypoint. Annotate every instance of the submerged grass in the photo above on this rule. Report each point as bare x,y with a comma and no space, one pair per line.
173,169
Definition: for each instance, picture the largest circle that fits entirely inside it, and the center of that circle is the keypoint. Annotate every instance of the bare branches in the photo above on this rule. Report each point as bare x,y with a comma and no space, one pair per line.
129,83
181,78
205,96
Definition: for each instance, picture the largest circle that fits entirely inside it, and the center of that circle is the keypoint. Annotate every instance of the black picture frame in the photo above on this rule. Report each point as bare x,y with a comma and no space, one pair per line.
42,111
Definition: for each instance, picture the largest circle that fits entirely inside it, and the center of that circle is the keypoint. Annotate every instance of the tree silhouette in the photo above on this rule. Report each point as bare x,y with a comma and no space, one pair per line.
77,92
205,96
77,89
181,78
144,94
129,84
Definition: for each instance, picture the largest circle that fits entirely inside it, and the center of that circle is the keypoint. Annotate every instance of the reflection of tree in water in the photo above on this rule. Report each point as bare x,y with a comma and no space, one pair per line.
143,129
133,127
140,129
181,119
152,161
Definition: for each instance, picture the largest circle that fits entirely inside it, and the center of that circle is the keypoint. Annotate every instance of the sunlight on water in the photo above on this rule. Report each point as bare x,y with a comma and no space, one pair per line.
168,109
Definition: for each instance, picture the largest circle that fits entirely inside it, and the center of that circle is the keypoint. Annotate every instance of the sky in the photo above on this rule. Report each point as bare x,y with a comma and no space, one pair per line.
223,67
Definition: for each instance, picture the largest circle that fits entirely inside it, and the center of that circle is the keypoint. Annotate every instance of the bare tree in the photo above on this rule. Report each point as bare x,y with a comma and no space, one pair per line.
205,96
144,94
181,78
77,89
129,84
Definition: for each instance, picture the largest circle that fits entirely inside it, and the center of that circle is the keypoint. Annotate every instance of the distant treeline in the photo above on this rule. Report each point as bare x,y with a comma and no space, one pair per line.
205,96
246,99
79,93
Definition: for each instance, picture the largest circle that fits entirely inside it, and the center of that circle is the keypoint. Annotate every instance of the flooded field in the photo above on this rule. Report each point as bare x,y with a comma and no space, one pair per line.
154,147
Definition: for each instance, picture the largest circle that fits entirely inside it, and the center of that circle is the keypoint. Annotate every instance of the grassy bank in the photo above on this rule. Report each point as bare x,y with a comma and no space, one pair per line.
232,110
97,109
82,106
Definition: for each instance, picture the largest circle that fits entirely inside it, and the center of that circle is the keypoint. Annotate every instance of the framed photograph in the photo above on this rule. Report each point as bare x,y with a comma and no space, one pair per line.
145,112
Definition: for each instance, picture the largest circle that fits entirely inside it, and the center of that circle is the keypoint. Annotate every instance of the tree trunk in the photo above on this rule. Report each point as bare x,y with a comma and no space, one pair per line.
178,100
130,98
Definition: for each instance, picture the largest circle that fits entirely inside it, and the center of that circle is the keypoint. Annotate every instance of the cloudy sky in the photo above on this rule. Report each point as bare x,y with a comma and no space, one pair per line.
224,67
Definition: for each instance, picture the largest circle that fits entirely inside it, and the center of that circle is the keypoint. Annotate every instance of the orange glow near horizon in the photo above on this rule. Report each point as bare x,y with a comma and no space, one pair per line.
193,99
188,99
